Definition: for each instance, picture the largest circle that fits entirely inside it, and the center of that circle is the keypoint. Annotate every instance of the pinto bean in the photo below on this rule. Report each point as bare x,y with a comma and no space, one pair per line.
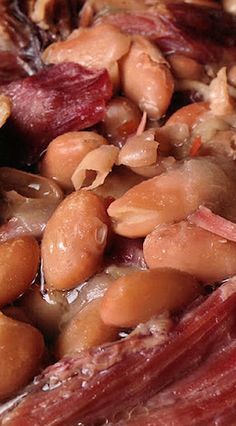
188,114
146,78
191,249
122,118
84,331
19,261
139,296
170,197
21,350
68,150
74,240
186,68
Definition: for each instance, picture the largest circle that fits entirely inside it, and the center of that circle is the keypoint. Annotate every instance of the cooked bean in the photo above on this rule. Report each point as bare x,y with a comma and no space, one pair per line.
68,150
19,261
186,68
189,114
191,249
84,331
146,78
45,311
21,349
137,297
231,73
117,183
170,197
74,240
121,120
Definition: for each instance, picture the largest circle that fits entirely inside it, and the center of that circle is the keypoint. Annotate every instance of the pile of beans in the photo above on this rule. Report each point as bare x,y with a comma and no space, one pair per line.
98,239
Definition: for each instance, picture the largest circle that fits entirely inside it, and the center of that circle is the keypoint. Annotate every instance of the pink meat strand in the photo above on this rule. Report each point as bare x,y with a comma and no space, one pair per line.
206,219
61,98
117,377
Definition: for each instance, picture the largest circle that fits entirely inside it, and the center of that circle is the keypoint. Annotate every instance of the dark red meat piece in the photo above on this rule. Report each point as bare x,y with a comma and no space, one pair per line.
59,99
115,378
203,33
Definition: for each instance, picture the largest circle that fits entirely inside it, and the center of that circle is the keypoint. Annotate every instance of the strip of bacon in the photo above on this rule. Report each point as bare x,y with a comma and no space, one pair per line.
206,219
98,384
183,28
57,100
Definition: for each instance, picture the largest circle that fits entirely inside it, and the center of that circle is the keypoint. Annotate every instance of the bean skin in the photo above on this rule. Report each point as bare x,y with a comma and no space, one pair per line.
84,331
137,297
68,150
21,350
74,240
19,261
191,249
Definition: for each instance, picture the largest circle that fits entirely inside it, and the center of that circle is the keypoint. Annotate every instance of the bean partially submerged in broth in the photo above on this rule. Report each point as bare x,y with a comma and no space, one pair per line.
21,350
27,203
19,261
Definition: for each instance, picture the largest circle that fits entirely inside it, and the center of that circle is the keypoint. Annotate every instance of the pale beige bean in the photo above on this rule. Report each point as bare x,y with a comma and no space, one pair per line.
170,197
84,331
74,240
186,68
146,78
21,350
65,153
137,297
189,248
19,261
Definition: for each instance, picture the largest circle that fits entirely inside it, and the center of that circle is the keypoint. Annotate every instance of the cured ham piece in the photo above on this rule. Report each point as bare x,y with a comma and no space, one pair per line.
206,219
57,100
183,28
114,378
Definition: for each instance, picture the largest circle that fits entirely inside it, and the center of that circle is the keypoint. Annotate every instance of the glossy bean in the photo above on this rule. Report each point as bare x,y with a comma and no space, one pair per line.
21,350
191,249
146,78
68,150
19,261
74,240
137,297
84,331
